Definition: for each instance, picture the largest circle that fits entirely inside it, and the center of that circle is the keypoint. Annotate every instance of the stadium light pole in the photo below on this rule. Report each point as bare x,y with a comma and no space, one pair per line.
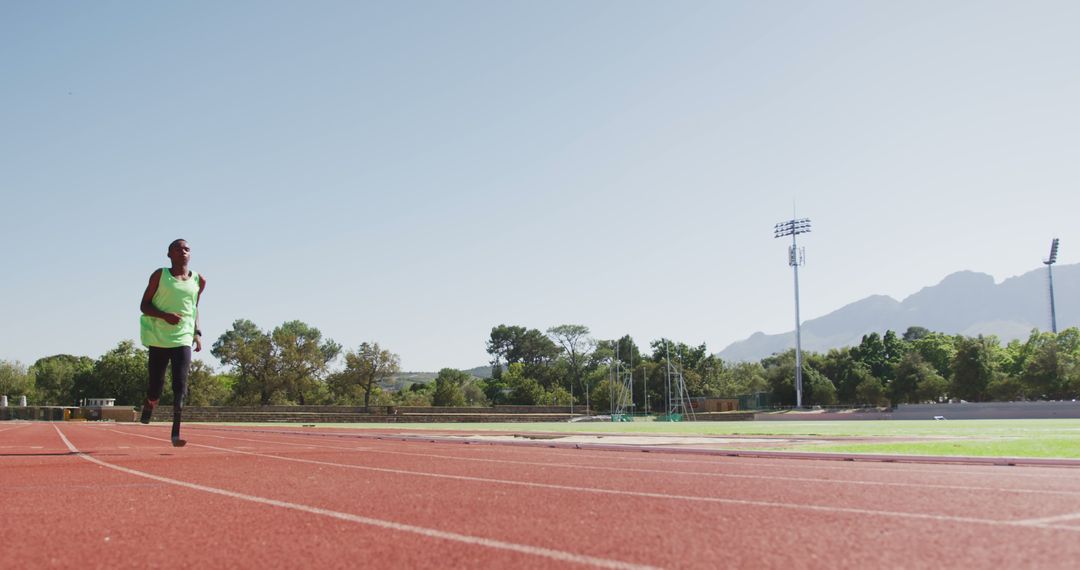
1049,263
795,258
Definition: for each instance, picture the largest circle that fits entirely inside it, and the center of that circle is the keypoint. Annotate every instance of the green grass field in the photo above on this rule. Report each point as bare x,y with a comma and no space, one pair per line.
1057,438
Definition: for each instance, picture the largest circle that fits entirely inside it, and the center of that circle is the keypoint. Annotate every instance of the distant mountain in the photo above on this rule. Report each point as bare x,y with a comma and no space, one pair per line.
965,302
403,380
480,371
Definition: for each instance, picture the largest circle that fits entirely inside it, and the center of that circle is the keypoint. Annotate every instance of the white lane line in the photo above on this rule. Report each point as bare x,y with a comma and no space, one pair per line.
82,487
669,472
827,465
1050,520
617,492
559,555
311,446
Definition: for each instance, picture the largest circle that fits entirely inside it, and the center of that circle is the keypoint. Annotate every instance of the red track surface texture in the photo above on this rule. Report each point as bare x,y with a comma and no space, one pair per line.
119,496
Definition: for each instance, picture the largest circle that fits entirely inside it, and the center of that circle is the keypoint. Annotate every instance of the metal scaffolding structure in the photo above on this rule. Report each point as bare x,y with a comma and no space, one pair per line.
679,405
622,390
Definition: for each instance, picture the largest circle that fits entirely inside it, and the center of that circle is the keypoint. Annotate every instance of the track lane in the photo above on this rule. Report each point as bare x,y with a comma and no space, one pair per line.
841,524
966,474
516,553
645,530
619,465
921,501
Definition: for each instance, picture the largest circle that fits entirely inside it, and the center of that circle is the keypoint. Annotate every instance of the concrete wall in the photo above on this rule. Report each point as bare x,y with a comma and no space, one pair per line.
351,414
988,410
819,416
39,413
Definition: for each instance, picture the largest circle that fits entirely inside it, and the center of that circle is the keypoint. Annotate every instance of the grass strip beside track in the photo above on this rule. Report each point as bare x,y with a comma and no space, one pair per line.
1053,438
1019,447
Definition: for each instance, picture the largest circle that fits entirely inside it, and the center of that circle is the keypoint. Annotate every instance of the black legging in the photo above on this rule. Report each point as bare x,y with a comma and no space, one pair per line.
180,357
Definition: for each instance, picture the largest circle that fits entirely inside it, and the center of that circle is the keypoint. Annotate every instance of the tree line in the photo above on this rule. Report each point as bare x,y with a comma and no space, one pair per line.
564,365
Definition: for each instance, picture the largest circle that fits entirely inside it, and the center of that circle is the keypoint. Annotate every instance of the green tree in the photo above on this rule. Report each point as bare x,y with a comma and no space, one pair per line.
557,396
739,379
938,350
820,391
448,388
287,365
496,390
933,388
16,380
303,359
688,357
120,373
342,390
366,366
1005,388
973,367
524,391
415,395
912,374
1047,362
648,387
54,377
252,356
845,372
871,352
576,346
500,346
913,334
871,391
1069,346
605,392
606,351
206,388
473,392
706,377
780,374
511,344
895,349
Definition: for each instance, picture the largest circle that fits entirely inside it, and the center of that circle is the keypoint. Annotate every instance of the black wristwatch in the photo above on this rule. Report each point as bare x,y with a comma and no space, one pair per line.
198,332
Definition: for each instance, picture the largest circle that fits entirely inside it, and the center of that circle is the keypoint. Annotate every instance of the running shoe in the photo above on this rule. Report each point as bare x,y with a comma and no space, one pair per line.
147,411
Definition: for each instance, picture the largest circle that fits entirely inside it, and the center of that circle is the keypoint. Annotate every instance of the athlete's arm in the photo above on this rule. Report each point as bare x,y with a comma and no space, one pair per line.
198,335
147,306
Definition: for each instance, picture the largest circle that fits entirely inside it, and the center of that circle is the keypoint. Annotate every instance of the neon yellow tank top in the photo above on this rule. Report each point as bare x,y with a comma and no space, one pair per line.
172,296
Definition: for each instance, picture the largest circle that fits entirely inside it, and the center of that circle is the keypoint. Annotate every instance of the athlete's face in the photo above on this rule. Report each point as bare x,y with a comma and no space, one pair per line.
180,252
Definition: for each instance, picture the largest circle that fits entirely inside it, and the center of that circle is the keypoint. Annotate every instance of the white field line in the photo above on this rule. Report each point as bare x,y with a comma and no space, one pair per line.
559,555
641,494
667,472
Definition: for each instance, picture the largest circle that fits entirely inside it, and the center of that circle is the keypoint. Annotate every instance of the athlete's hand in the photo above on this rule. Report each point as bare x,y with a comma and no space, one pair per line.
198,343
172,318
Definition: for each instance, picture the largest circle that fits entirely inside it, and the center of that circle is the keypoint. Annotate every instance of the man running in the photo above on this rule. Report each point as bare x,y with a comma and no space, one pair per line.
169,326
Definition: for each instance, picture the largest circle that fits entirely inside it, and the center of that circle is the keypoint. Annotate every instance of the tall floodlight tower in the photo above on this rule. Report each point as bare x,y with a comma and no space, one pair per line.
796,258
1049,263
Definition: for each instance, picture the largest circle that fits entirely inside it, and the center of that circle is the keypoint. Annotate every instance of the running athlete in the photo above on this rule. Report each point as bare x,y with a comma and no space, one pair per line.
169,326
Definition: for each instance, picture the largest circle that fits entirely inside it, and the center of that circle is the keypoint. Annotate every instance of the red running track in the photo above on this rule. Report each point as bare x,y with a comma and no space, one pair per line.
119,496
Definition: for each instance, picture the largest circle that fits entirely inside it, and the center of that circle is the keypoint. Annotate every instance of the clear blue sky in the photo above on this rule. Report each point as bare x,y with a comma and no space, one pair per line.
414,173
